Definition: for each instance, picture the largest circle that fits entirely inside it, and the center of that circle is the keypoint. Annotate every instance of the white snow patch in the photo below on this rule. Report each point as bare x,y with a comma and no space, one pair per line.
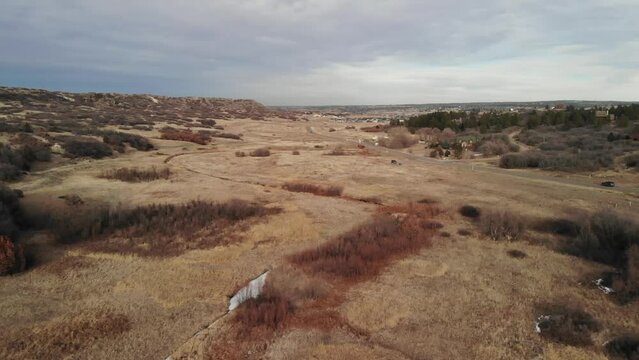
155,101
57,149
250,291
602,287
67,98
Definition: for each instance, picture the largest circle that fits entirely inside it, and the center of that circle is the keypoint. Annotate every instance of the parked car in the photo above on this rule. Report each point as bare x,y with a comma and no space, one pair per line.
608,184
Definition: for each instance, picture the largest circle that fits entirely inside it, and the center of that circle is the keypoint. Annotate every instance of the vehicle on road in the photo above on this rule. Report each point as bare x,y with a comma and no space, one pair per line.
608,184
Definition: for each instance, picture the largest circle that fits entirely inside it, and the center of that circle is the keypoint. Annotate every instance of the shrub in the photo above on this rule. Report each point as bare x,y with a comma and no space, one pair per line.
552,146
502,225
523,160
136,175
297,286
338,151
366,249
427,201
156,230
270,309
296,152
9,172
11,257
567,325
373,129
469,211
399,138
227,136
36,152
371,200
261,152
496,144
632,266
12,163
563,227
10,128
464,232
632,161
207,122
517,254
330,190
605,238
143,127
87,148
72,199
185,135
625,347
285,290
119,139
11,217
240,154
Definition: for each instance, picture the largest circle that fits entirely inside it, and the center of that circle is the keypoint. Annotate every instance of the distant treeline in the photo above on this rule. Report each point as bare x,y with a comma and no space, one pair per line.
566,119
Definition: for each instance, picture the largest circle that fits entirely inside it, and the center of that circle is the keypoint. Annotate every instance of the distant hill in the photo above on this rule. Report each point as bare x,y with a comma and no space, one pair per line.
21,99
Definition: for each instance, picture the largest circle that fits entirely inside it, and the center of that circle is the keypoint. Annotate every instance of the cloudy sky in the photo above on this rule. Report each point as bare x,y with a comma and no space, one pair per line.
313,52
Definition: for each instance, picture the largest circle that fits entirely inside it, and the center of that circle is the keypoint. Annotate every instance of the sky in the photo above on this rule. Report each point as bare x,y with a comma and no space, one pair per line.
327,52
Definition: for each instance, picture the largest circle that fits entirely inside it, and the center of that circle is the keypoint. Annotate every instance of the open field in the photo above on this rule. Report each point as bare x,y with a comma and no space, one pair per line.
449,293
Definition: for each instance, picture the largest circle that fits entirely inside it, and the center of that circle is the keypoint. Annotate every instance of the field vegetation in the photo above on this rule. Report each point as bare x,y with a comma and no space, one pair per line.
136,174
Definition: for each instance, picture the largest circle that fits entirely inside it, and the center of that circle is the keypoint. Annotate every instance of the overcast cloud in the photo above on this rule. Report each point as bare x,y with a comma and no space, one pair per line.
294,52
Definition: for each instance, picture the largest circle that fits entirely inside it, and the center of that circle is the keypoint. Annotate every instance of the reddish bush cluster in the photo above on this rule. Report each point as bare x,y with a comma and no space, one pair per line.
11,257
270,309
329,190
364,250
285,291
186,135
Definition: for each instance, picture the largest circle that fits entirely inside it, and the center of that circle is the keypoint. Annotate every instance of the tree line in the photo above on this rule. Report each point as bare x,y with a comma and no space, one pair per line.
566,119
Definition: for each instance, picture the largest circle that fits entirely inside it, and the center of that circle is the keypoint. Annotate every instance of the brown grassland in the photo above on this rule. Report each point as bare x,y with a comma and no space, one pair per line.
417,259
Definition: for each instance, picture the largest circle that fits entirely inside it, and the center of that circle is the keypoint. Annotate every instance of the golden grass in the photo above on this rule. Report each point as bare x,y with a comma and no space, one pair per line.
63,336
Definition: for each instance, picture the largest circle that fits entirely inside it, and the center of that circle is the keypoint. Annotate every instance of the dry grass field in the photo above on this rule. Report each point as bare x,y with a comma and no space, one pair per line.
431,285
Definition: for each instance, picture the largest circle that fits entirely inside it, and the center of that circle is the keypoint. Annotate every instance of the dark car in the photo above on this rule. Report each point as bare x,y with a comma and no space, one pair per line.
608,184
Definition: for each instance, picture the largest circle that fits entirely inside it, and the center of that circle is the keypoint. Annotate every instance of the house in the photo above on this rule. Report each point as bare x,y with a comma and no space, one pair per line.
601,113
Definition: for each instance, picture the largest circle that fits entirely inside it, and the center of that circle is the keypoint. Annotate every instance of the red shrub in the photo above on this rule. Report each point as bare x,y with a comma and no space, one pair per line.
186,135
364,250
11,257
329,190
270,309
